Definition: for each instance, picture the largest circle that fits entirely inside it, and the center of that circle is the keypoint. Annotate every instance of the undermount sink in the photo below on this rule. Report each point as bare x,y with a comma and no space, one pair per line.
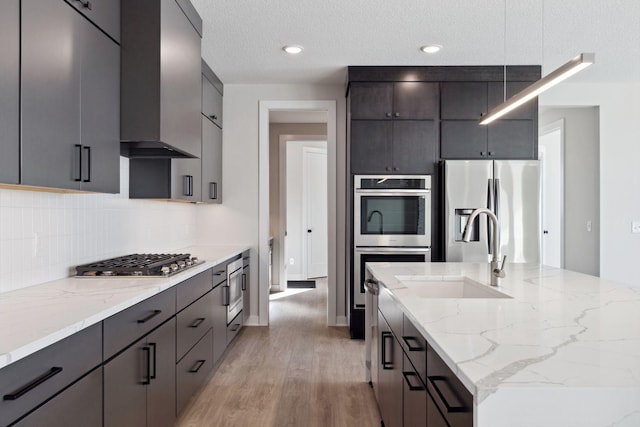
449,287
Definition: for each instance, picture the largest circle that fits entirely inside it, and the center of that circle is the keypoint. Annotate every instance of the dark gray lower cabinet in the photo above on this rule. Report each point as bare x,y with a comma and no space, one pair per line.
389,375
78,406
139,383
434,417
10,91
193,369
414,407
219,323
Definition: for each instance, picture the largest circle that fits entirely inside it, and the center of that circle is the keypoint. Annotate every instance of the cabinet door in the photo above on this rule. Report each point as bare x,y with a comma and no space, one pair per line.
415,395
211,102
186,178
371,101
414,146
100,111
512,139
181,80
104,13
219,323
463,139
415,101
125,390
51,55
211,162
10,91
389,376
434,417
463,100
246,280
371,146
78,406
161,391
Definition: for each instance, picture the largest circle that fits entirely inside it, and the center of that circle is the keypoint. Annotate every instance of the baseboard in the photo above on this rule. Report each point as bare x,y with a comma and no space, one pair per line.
252,321
341,321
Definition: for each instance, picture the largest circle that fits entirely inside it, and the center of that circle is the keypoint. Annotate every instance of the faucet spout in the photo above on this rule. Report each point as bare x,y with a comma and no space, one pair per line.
497,268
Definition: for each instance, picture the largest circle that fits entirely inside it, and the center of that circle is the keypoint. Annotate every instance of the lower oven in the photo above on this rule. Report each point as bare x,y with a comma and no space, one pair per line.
234,288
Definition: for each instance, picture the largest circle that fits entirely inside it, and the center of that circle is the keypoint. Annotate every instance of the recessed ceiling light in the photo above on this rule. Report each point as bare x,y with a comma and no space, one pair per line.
292,49
431,48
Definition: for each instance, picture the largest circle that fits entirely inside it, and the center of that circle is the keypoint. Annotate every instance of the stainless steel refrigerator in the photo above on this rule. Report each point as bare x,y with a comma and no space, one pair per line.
512,190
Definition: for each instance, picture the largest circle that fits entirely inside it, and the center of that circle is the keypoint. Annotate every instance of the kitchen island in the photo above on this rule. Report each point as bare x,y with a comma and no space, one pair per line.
560,349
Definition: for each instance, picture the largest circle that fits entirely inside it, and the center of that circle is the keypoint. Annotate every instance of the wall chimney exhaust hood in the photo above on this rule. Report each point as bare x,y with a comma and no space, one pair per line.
160,89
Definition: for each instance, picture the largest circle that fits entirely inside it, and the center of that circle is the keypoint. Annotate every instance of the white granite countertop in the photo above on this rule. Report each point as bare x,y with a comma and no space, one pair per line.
38,316
563,351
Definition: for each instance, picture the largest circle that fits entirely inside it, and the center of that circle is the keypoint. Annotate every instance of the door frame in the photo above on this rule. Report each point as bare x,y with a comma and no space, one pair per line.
263,201
558,125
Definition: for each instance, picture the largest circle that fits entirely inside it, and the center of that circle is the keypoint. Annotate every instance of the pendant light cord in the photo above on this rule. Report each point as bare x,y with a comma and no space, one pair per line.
504,43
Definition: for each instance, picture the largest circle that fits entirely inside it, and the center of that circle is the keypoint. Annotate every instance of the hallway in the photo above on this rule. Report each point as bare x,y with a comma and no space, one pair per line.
296,372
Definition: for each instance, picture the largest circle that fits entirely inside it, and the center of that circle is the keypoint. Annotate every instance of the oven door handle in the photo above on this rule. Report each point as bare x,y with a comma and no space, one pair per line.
387,249
396,192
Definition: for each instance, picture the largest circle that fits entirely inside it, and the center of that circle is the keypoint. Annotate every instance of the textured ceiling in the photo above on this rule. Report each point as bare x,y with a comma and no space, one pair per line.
243,38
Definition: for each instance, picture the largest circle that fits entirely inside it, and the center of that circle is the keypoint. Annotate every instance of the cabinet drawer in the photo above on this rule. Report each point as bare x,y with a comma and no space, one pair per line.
123,328
391,312
219,274
414,397
234,327
193,322
448,393
27,383
193,369
79,405
415,347
104,13
193,288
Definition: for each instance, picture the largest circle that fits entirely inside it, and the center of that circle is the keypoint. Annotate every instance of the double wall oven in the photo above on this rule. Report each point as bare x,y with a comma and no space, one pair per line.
391,223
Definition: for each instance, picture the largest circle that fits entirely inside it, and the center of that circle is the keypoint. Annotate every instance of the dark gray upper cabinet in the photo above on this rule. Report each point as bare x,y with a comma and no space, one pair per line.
512,139
463,100
10,91
70,79
463,140
414,146
399,101
186,178
103,13
212,92
161,79
211,162
371,148
496,96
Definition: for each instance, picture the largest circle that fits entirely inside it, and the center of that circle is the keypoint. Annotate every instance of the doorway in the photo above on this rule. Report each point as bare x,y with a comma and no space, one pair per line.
551,153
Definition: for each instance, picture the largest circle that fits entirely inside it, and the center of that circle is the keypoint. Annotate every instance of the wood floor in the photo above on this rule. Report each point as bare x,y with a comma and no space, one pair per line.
296,372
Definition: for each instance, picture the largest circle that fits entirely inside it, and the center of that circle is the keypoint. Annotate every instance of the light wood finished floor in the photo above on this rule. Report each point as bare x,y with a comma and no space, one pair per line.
296,372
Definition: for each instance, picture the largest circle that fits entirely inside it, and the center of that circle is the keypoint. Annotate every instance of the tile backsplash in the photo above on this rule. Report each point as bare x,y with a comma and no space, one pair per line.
43,236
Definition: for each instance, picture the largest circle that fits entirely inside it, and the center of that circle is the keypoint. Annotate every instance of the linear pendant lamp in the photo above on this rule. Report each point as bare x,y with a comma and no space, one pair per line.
577,64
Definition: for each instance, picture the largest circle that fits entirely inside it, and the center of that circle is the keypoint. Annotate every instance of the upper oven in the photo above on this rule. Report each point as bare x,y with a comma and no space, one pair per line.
393,210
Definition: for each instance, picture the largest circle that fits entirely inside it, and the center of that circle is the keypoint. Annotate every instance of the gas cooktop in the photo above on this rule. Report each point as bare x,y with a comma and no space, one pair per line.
140,265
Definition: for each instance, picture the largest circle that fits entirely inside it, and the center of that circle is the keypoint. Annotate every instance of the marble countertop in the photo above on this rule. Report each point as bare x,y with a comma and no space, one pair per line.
563,351
38,316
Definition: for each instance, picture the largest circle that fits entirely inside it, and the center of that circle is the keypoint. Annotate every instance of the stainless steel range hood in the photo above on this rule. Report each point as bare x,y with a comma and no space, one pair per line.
160,99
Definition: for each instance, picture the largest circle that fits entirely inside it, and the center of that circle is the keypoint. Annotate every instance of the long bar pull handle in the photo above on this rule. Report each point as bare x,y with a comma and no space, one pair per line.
417,384
33,384
147,356
457,406
151,315
197,322
153,373
497,205
196,367
227,296
235,327
78,155
244,282
213,190
418,345
490,206
386,364
88,163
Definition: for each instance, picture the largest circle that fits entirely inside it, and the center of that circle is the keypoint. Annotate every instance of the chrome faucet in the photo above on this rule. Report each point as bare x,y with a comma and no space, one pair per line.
371,216
497,269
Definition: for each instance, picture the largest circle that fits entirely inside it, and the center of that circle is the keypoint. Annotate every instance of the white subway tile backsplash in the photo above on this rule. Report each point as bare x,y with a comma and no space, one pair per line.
43,236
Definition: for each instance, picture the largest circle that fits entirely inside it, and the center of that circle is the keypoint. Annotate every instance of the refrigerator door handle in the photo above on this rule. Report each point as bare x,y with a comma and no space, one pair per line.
496,192
491,203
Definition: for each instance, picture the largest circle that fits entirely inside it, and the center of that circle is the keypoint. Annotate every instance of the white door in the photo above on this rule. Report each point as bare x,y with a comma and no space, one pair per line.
550,149
315,206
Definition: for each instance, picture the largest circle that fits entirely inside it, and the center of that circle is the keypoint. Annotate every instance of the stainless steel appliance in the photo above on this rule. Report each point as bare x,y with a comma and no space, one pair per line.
392,210
509,188
371,332
139,265
235,286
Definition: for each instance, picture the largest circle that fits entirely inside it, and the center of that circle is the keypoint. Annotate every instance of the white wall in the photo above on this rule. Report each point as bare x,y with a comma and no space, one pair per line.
295,198
43,236
619,105
236,220
581,185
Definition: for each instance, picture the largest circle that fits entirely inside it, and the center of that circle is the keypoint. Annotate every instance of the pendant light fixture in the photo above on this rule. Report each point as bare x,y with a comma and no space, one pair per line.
575,65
